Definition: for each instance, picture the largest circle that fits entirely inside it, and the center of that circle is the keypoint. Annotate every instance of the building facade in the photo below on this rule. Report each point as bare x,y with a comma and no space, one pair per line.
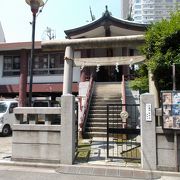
48,69
147,11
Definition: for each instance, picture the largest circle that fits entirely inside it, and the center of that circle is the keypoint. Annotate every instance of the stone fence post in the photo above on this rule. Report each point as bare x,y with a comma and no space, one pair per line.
148,132
68,133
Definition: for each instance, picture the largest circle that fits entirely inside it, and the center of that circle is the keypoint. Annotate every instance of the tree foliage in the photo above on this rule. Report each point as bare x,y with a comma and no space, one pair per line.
141,81
162,49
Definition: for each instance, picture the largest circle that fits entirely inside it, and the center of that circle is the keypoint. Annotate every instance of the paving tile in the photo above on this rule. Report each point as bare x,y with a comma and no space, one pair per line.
112,172
73,170
141,174
99,171
63,169
125,173
86,170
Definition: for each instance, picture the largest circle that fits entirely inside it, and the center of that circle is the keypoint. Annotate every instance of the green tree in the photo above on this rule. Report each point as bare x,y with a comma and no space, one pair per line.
141,81
162,49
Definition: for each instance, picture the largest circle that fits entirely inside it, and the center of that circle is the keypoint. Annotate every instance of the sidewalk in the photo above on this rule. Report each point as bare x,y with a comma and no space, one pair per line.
97,167
83,171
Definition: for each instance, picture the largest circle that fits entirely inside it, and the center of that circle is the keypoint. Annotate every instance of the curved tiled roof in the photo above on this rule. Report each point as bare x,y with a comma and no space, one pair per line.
106,19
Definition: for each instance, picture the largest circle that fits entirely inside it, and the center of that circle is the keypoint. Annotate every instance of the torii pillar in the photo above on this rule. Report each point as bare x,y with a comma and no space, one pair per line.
68,111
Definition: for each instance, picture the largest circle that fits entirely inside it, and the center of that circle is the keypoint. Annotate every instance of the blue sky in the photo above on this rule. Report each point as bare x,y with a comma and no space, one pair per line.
59,15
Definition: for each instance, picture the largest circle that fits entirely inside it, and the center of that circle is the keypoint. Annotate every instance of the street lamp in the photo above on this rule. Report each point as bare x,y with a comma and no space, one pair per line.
34,4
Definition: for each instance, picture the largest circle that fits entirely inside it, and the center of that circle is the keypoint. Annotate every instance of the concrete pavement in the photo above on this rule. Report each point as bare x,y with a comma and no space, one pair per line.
5,147
30,171
98,154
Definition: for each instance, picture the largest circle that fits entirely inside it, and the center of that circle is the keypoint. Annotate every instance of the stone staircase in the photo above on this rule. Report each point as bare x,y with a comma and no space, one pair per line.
104,93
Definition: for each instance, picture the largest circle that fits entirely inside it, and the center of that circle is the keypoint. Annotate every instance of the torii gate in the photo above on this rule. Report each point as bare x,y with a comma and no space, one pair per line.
87,43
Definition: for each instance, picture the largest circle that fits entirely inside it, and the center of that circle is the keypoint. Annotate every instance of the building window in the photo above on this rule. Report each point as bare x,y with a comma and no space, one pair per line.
11,65
137,6
137,12
40,65
56,62
46,64
131,52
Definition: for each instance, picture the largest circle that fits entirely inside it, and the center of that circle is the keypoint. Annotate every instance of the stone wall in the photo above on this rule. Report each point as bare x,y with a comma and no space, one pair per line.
166,153
36,143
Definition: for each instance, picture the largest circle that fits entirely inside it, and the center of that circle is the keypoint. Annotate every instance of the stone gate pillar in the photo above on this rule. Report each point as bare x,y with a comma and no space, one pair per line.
68,133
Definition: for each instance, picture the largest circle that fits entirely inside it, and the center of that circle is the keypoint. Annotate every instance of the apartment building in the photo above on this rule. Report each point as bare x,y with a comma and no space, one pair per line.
147,11
125,11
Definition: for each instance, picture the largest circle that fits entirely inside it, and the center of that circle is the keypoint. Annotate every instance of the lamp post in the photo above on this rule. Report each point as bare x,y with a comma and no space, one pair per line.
34,4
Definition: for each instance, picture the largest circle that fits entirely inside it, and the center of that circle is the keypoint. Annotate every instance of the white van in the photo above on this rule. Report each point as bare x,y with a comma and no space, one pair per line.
7,117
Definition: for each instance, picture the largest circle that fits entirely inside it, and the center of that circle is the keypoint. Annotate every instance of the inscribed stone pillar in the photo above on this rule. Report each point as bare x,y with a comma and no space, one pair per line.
148,132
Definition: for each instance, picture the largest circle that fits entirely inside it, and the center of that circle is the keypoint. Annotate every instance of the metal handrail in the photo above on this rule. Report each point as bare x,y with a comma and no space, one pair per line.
83,118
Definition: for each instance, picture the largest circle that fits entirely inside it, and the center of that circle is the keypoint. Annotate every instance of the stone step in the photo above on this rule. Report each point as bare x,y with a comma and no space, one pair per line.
96,129
105,93
104,119
104,107
108,88
104,111
106,97
98,107
115,116
105,103
97,124
95,134
104,124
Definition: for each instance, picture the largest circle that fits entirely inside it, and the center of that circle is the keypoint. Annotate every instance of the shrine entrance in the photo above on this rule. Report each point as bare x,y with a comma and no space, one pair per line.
109,74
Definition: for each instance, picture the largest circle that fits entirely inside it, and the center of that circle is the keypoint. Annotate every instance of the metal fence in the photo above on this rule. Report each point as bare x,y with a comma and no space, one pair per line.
123,132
